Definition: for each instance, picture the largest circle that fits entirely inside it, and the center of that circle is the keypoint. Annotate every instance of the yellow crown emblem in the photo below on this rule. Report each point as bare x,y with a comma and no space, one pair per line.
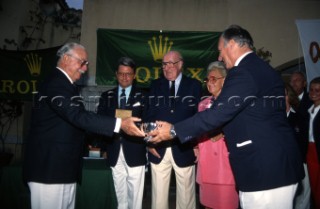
34,63
158,51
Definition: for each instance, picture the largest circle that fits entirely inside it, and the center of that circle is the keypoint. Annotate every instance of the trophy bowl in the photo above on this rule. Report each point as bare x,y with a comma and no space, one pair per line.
147,128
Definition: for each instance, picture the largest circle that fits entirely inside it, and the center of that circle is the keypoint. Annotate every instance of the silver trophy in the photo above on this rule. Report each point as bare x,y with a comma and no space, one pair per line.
147,128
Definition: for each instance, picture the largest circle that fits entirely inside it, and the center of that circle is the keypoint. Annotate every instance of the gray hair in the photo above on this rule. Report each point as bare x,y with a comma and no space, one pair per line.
218,66
177,53
68,47
239,35
300,73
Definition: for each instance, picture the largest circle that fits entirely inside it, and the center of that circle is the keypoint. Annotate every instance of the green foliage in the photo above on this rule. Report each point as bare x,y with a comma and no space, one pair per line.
32,34
264,54
10,110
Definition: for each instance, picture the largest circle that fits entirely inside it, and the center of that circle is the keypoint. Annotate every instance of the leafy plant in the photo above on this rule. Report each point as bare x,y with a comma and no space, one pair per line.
10,110
46,12
264,54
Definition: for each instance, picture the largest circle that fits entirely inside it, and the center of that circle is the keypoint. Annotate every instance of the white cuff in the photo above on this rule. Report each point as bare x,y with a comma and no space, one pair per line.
118,125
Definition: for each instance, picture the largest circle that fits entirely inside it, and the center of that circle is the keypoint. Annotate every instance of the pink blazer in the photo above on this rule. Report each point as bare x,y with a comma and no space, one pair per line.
213,161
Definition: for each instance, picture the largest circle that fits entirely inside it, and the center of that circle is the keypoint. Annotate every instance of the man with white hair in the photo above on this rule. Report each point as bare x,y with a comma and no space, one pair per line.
53,156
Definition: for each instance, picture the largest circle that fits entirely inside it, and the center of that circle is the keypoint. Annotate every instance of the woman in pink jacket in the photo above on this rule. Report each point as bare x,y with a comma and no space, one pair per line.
214,174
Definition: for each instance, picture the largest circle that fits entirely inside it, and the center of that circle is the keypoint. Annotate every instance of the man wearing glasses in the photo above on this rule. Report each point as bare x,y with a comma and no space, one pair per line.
125,154
173,98
264,156
54,148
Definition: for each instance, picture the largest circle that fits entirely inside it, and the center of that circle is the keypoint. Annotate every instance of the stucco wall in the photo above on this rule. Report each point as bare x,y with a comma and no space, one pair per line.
271,23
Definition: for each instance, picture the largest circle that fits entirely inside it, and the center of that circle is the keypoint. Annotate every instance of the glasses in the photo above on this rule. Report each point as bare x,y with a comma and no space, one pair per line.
170,64
83,62
124,74
212,79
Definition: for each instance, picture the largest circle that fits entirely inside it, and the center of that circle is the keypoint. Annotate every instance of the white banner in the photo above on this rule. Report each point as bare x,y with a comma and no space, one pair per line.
309,32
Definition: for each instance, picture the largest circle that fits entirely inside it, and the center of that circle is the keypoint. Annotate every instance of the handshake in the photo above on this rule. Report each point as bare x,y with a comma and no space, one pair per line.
153,132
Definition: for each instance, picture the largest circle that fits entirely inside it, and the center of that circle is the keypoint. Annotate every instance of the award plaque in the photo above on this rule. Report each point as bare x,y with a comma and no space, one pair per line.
123,113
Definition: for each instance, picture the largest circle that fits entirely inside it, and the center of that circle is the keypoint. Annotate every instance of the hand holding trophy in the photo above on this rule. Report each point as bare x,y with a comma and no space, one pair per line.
147,127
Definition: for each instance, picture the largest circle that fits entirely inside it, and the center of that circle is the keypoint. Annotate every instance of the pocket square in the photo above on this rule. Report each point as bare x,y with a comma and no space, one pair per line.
136,104
244,143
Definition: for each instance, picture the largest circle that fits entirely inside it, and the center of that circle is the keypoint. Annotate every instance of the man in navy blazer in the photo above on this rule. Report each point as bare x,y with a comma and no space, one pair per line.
54,148
125,154
173,97
299,83
264,154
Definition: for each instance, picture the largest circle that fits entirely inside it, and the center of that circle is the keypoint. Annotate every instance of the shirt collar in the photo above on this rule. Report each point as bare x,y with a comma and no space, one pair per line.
127,90
290,110
241,57
315,111
65,75
178,80
301,95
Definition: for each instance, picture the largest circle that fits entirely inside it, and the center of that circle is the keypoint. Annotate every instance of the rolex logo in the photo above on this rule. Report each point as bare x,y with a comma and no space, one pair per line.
34,63
160,49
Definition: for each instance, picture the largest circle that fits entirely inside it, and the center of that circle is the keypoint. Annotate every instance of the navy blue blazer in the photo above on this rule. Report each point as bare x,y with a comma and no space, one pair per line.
304,105
158,107
297,123
251,108
316,131
134,148
54,147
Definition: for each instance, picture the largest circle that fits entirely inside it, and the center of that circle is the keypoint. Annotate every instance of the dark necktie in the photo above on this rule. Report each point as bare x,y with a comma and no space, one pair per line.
172,94
123,99
172,89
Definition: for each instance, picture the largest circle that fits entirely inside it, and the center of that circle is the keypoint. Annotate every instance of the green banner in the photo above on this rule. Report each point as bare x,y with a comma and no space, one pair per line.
147,48
21,71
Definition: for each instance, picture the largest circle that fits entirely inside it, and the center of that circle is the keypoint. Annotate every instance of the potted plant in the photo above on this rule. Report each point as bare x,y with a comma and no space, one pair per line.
10,110
264,54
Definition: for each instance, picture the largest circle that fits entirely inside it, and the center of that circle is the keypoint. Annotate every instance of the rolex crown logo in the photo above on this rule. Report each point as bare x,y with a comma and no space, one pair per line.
34,63
159,50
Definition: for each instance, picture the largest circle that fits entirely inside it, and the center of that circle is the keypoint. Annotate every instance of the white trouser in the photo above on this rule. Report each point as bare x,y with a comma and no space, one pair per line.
185,183
52,196
128,183
302,198
278,198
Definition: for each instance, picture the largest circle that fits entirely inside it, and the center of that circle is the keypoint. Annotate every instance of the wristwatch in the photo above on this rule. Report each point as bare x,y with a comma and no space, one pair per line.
172,132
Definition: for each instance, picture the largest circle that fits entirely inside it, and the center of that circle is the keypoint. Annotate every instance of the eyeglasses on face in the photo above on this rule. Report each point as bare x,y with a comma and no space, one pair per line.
212,79
124,74
170,64
82,62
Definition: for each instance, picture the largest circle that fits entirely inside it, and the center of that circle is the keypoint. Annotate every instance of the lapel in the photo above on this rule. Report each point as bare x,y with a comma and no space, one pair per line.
113,96
117,96
131,98
182,86
164,87
316,121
